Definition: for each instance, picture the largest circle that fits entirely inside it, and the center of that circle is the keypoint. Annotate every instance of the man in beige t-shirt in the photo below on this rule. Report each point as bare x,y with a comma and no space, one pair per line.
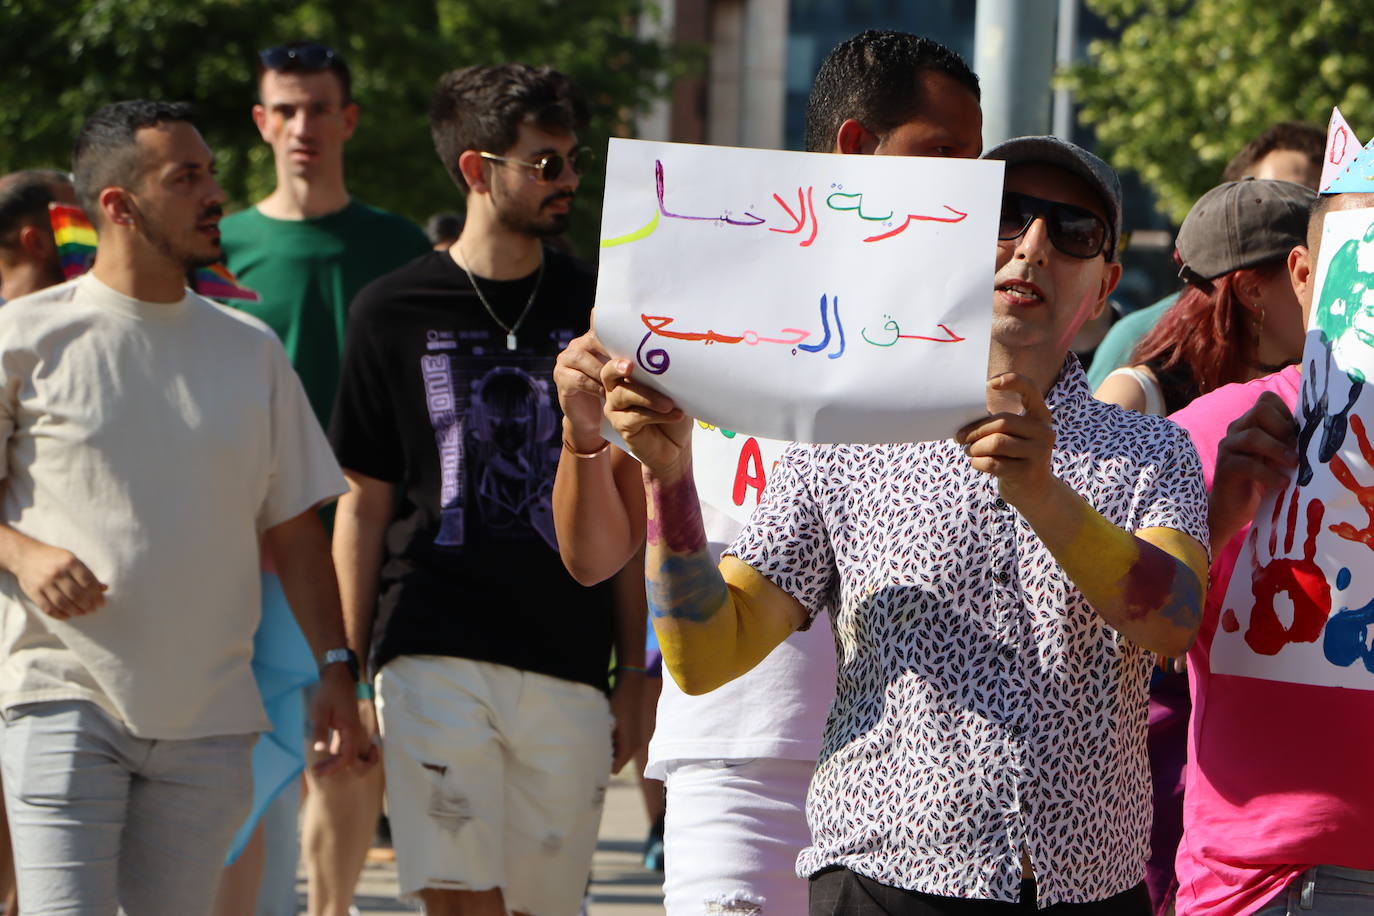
151,439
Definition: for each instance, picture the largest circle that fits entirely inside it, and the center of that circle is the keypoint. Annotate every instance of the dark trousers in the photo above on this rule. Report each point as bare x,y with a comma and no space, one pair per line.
840,892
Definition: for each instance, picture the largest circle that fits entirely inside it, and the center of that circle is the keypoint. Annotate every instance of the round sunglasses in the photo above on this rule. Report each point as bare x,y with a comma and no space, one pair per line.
1077,232
548,167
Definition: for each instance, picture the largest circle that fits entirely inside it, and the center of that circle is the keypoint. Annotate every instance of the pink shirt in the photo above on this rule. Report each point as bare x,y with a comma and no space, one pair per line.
1280,776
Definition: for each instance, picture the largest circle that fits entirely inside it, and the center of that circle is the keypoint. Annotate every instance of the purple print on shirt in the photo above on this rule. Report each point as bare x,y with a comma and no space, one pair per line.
496,425
448,433
511,418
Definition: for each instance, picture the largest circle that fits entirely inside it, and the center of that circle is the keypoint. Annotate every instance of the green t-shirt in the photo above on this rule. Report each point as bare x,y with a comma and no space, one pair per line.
1115,349
307,272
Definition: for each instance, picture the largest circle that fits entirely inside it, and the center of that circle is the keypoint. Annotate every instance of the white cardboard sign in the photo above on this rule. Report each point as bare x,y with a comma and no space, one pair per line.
802,296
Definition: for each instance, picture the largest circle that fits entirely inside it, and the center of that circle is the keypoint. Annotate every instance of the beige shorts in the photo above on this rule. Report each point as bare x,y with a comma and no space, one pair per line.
495,777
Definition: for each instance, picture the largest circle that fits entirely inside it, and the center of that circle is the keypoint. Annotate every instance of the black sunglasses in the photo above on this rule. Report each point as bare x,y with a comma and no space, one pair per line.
550,166
298,57
1077,232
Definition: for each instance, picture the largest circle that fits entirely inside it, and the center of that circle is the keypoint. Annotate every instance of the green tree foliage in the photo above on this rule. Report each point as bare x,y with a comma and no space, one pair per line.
63,60
1190,82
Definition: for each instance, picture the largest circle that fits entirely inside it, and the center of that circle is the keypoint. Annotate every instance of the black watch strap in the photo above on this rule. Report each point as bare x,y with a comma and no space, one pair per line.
345,655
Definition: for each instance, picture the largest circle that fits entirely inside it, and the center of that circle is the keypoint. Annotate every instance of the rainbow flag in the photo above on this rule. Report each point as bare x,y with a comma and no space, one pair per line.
216,282
75,238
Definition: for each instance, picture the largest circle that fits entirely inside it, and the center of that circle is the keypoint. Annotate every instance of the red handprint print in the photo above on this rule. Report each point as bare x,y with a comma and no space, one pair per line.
1301,579
1365,495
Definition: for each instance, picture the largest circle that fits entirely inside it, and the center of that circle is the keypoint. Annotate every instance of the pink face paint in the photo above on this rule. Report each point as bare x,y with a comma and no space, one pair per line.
1080,318
675,515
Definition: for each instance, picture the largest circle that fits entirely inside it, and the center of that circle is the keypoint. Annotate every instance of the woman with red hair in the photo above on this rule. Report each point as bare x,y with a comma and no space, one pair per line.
1237,318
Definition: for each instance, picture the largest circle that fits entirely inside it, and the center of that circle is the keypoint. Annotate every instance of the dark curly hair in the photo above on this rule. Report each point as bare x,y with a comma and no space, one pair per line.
482,108
873,78
1306,139
1208,337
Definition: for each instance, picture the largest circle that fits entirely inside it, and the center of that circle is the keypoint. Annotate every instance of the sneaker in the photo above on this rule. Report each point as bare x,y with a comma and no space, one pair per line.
653,847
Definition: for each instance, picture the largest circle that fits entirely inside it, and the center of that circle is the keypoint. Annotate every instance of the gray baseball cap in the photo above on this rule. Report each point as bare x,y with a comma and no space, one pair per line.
1241,224
1070,157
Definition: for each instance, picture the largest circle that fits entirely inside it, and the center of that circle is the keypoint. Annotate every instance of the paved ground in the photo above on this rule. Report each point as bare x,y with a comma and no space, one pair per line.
620,884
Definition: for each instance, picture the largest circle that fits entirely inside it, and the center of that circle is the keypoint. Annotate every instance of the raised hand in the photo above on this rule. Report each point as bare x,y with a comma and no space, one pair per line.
577,374
1256,457
655,429
1014,448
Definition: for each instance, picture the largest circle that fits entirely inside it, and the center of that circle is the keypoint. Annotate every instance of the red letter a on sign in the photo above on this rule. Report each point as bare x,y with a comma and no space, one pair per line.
749,471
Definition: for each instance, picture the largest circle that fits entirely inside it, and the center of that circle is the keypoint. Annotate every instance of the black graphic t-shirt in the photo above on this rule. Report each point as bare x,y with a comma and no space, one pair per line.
432,400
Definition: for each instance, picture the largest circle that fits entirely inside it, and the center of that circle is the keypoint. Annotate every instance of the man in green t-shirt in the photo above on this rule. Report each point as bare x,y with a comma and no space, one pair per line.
307,249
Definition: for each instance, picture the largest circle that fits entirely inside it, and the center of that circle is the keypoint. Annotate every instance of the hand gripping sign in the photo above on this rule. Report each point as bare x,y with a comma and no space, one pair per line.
802,296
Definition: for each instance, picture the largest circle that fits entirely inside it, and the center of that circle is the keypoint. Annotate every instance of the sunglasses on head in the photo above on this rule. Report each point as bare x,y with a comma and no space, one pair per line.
1077,232
303,57
550,166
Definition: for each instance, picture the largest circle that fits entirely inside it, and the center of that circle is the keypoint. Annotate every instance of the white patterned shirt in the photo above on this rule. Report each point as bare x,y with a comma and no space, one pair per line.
982,706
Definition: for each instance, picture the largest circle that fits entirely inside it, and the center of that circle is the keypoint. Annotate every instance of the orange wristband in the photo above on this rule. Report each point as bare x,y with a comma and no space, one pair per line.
576,454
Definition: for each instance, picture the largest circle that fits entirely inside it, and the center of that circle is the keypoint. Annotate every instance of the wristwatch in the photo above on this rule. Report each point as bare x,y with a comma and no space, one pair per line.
345,655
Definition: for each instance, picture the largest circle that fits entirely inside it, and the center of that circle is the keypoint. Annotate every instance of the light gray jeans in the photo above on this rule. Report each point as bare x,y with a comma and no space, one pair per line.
103,820
1326,890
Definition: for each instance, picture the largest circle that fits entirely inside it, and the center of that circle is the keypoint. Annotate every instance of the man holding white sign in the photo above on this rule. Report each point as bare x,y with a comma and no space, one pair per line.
737,762
996,597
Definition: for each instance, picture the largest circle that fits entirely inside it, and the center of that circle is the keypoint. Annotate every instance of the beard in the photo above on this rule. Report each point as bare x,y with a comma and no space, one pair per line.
535,223
175,249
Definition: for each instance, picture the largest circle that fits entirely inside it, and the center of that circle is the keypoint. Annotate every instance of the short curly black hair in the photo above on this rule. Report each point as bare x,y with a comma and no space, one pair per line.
873,78
24,199
482,108
106,150
1307,139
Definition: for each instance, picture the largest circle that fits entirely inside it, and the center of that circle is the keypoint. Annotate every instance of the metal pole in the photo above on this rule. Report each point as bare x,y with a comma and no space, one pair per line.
1066,51
1014,45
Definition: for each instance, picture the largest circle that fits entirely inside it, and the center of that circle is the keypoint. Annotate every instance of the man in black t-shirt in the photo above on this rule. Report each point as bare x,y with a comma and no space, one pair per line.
492,659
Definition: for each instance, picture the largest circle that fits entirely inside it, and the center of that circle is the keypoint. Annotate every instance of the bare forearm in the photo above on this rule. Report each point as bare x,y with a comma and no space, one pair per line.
631,611
1149,594
598,513
357,549
300,552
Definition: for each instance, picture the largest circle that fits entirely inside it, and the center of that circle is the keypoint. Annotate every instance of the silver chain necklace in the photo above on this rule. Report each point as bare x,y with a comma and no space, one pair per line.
510,330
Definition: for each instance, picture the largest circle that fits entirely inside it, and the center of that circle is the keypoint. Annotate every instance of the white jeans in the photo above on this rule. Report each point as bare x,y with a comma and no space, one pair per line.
101,819
731,837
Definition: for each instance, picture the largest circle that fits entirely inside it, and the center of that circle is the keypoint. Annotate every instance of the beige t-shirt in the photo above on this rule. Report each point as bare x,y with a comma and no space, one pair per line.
155,442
